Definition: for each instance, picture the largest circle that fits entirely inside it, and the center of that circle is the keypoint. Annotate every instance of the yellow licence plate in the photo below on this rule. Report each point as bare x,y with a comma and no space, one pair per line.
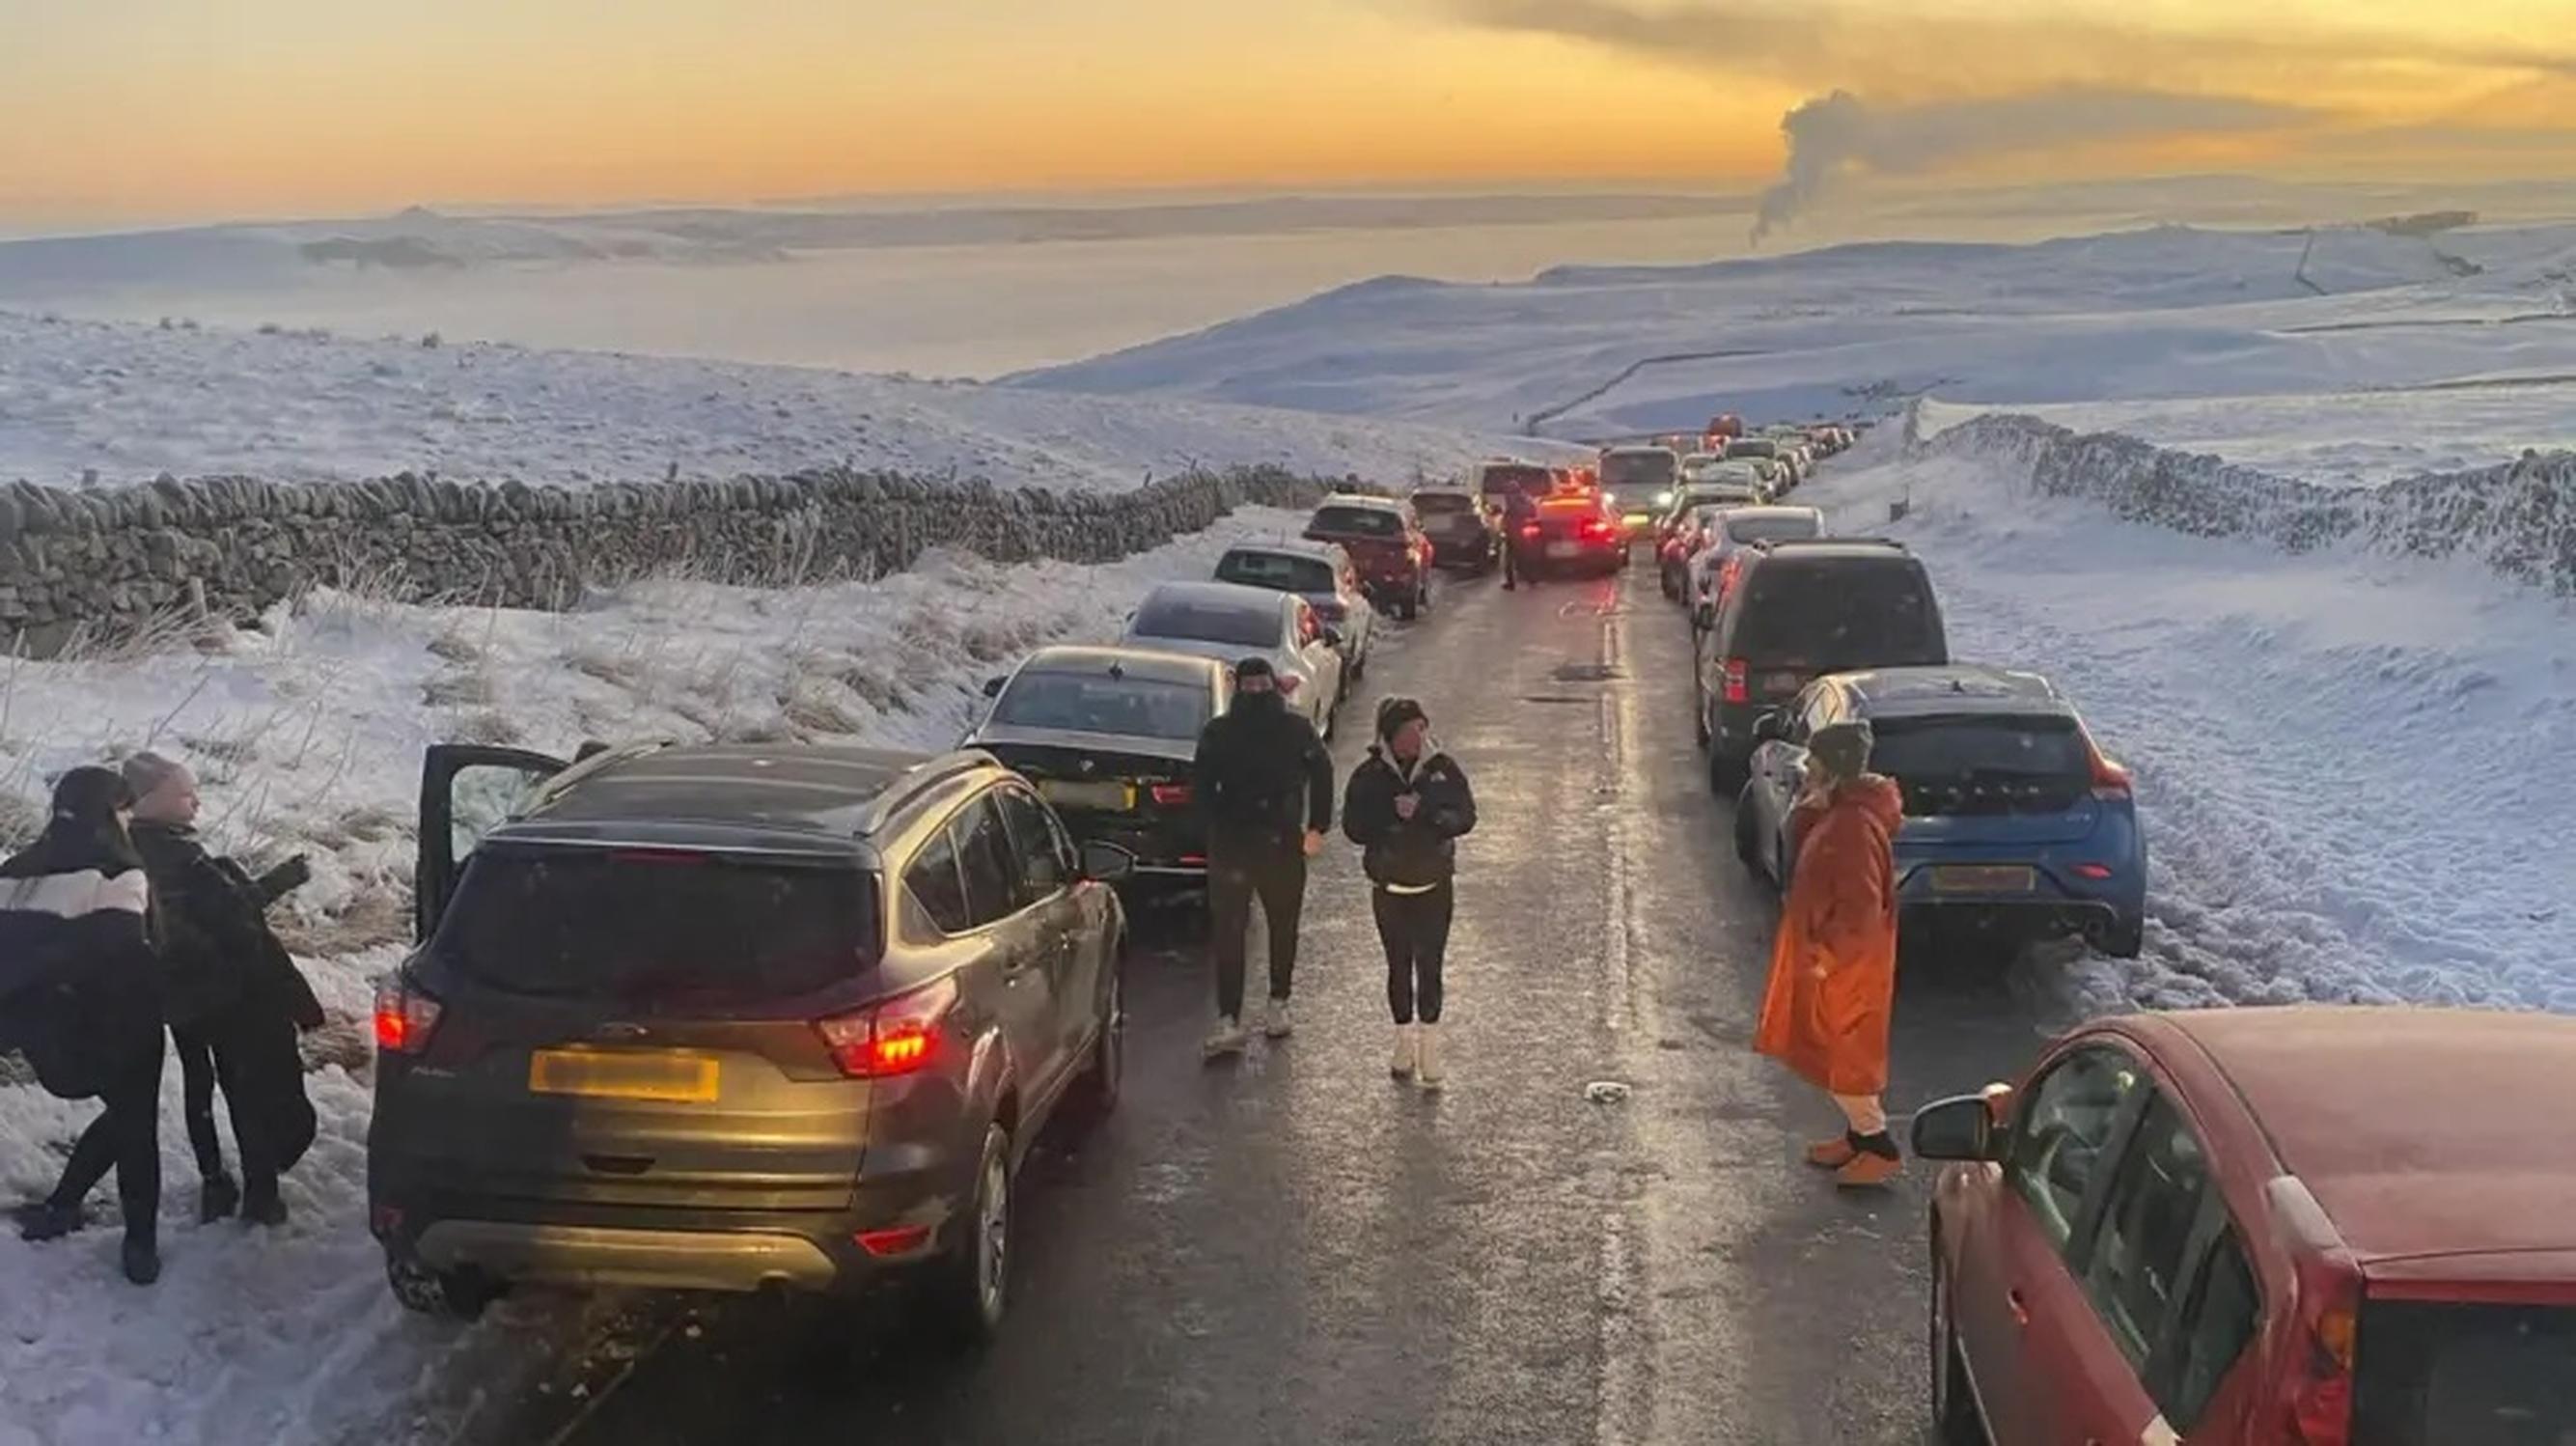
1983,879
1116,797
671,1076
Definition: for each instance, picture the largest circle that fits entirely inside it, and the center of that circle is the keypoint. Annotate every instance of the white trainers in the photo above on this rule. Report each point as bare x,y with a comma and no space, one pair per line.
1401,1063
1426,1067
1225,1039
1277,1024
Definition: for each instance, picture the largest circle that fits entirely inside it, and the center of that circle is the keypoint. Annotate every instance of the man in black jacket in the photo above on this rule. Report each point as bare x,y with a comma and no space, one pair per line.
1265,786
233,996
1408,806
1519,510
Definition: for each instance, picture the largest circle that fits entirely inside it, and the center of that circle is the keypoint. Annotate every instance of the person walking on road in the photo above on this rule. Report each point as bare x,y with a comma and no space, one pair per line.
1833,968
1265,785
1519,510
1407,807
235,999
80,998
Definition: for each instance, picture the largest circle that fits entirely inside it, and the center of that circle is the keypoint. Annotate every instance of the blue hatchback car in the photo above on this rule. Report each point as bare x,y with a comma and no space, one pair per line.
2012,815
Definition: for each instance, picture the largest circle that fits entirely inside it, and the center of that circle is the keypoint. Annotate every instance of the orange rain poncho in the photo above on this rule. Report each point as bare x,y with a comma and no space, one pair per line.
1840,919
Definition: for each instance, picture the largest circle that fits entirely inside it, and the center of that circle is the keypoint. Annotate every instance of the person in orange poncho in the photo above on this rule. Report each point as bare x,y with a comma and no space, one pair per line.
1833,968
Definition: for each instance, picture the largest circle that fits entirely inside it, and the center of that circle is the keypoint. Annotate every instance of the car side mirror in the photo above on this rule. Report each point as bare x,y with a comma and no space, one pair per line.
1961,1128
1771,727
993,685
1107,863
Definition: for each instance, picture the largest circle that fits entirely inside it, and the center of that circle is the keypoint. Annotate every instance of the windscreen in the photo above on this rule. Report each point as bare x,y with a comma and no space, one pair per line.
1357,522
1207,622
2446,1375
1282,571
1500,480
1832,618
1984,764
1773,529
1628,474
657,929
1094,703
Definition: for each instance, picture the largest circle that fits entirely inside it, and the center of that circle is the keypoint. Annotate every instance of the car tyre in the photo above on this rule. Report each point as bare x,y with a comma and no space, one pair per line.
1955,1418
969,1285
1105,1077
454,1294
1748,839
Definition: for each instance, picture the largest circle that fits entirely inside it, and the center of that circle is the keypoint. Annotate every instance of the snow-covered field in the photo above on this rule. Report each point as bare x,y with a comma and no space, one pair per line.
127,402
2352,767
308,736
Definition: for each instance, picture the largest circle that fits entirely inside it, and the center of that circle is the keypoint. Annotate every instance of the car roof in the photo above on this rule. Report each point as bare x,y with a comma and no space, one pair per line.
2403,1121
1359,499
1951,689
1467,492
1776,512
1831,550
1637,450
1151,664
742,794
1313,551
1218,594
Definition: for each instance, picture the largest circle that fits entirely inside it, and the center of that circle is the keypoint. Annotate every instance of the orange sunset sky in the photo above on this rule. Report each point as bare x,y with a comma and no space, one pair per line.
139,110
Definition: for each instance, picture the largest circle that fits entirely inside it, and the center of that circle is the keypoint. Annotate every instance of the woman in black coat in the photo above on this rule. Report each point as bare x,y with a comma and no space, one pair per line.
80,998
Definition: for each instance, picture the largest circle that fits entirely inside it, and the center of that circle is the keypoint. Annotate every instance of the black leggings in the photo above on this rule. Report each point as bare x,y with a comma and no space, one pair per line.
1275,875
205,1058
127,1139
1415,930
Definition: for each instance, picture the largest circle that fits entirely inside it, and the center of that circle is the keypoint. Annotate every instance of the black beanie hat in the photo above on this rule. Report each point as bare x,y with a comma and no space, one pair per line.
1393,714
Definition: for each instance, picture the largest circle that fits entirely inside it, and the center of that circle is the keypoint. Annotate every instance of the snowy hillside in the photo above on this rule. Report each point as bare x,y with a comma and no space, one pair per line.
128,402
2169,312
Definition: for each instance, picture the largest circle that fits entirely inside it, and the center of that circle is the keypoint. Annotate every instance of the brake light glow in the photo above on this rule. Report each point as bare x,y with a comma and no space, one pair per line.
901,1036
1529,529
405,1018
1171,795
2095,872
900,1240
1596,529
1738,681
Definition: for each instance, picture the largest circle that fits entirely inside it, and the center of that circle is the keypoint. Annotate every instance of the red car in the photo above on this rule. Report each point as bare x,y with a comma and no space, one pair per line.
2262,1227
1572,532
1386,545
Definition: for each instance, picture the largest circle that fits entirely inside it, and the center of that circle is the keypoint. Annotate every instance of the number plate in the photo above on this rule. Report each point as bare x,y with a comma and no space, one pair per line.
671,1076
1982,879
1564,549
1114,797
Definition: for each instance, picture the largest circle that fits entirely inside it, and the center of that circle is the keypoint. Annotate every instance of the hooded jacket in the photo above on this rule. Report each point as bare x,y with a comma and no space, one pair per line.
1833,967
217,952
1416,853
78,993
1261,776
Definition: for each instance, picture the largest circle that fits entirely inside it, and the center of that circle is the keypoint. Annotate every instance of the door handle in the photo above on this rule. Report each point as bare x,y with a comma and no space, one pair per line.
2019,1307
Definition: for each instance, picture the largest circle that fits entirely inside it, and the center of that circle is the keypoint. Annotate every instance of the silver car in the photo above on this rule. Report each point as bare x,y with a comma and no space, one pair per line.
1229,622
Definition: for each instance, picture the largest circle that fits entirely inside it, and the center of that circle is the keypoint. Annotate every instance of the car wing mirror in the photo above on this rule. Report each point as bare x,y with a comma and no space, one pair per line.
1771,728
1960,1128
1107,863
993,685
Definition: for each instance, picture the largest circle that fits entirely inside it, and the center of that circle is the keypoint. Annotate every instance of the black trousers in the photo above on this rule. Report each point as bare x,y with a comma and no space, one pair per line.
1276,875
226,1055
1415,930
126,1139
1515,567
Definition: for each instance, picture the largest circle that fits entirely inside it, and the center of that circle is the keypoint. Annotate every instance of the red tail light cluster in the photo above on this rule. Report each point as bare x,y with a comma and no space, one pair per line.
903,1035
1170,795
2110,780
2317,1388
405,1018
1596,529
1529,529
1738,679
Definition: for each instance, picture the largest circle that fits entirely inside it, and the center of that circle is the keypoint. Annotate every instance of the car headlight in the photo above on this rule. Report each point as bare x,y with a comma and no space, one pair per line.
1663,499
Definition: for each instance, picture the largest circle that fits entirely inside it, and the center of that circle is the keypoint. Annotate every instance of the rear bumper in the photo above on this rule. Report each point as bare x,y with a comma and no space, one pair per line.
2056,905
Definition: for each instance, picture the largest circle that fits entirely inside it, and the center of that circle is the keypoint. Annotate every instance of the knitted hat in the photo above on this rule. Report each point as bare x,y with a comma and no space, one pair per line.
1393,714
1842,749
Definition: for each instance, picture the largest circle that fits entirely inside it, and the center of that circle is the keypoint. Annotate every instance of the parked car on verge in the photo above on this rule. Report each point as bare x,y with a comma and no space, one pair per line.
1638,482
2243,1227
1799,611
1320,572
1573,532
1230,622
2014,819
1108,736
1464,531
1730,540
1386,544
733,1018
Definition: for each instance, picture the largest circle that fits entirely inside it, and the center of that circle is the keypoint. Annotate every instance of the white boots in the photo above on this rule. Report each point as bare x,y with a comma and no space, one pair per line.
1401,1063
1426,1064
1278,1025
1225,1039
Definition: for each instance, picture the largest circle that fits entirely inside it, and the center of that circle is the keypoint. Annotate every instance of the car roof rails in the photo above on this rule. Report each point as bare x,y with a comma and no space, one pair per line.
920,779
1777,543
586,768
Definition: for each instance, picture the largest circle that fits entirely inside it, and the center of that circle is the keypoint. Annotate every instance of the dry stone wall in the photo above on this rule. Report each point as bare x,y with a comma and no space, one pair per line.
110,562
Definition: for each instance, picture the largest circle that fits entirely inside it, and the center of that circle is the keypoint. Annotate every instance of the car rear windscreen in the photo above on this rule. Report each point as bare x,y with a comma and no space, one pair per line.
1095,703
1357,522
1983,764
2433,1374
1279,570
1772,529
1499,480
1206,622
654,928
1639,471
1764,449
1835,617
1442,504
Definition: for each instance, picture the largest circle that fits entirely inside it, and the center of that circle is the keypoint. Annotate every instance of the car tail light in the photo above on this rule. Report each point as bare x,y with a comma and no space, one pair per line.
1596,529
2110,780
901,1036
1171,795
1529,529
2095,872
405,1018
2317,1376
1739,681
897,1240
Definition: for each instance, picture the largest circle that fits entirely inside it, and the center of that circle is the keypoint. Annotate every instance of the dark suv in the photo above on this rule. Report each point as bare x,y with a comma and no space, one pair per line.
731,1018
1799,610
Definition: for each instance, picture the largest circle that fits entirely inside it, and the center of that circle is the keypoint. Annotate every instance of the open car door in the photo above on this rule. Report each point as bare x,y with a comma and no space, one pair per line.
466,792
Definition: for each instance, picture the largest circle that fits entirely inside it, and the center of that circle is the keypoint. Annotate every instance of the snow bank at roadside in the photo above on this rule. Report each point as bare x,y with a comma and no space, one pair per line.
308,735
2351,763
128,402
